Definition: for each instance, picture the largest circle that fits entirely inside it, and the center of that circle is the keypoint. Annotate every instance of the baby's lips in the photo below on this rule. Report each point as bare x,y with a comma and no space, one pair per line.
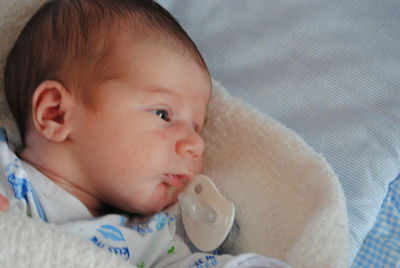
176,180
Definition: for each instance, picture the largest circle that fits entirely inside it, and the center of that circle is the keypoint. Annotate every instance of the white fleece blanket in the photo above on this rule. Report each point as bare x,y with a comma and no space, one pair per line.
289,202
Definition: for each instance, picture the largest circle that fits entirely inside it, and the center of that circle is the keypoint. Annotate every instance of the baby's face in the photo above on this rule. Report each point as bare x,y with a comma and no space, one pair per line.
141,146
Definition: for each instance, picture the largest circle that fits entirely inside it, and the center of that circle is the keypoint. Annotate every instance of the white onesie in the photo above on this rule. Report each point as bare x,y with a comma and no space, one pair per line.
144,242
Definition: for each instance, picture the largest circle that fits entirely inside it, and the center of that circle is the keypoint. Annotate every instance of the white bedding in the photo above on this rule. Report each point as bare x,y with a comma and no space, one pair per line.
327,69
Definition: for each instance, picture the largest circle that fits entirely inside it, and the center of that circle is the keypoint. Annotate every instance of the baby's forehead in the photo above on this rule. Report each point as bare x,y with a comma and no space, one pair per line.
164,40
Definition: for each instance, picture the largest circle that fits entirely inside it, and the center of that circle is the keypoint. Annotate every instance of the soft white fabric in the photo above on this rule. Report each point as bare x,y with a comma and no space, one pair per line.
144,242
327,69
290,204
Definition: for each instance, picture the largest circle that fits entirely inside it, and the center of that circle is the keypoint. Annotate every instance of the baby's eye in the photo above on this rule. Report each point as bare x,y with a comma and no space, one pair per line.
163,114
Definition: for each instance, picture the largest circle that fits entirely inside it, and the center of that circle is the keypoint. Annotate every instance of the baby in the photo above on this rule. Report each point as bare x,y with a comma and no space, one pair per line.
110,97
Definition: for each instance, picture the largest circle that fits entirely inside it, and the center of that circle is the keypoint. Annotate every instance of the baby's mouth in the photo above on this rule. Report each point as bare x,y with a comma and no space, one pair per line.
176,180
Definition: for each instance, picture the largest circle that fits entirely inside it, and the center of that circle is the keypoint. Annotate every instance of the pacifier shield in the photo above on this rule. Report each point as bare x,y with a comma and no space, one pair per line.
205,233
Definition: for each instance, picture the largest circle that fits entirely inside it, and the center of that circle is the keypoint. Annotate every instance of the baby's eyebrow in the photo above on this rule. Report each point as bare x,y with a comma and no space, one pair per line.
166,91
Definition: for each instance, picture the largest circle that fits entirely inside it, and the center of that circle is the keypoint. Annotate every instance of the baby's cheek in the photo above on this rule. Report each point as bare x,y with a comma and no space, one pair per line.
161,135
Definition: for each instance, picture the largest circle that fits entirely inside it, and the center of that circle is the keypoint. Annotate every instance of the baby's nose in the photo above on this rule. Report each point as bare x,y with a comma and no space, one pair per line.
192,144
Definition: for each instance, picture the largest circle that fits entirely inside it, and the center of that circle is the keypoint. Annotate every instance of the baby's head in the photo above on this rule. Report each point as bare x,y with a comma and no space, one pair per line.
110,97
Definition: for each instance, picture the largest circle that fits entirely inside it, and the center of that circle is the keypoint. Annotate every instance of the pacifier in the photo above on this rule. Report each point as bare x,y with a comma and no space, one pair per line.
207,216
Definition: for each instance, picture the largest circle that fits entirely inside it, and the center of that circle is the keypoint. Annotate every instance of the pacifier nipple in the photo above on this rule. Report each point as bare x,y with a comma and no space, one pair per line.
196,209
207,216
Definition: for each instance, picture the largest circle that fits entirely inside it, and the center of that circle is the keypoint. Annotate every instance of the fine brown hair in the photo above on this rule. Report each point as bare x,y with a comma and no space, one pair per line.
71,41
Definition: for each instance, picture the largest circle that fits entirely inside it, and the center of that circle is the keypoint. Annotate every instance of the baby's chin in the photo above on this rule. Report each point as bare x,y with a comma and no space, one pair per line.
160,204
173,195
149,210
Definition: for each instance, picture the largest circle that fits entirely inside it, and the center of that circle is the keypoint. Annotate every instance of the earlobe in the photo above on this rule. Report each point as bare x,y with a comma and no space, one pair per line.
51,104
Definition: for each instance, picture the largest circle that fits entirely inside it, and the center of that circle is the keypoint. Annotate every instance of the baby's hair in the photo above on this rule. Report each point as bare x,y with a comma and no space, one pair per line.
71,41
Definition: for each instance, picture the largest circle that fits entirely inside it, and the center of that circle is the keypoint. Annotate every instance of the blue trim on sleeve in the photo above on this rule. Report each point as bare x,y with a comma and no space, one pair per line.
22,188
39,207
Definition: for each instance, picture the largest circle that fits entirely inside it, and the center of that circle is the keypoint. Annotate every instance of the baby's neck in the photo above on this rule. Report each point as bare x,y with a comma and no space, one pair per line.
58,169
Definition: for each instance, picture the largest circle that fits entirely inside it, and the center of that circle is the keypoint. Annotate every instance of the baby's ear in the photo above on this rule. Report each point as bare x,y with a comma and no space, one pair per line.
51,109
